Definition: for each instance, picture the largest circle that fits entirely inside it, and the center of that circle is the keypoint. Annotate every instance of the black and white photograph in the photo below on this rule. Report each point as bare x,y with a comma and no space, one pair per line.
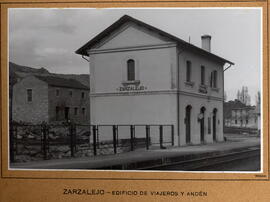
135,89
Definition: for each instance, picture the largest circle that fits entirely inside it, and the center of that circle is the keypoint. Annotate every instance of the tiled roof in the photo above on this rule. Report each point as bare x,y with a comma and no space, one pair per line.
62,82
126,18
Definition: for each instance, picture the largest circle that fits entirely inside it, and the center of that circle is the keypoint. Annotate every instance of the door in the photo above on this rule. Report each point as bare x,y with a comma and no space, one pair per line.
202,124
187,122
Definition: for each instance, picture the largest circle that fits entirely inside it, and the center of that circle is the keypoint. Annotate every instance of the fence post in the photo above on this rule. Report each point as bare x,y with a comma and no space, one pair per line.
45,142
147,128
72,139
172,135
41,139
75,137
94,140
16,140
161,136
114,139
11,142
117,136
97,137
131,137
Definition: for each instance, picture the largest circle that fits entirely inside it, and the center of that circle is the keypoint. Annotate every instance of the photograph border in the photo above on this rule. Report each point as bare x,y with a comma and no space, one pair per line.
11,174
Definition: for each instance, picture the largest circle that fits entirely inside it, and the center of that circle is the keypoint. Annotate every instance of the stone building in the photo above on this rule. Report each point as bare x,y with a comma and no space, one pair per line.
227,110
49,98
142,75
244,117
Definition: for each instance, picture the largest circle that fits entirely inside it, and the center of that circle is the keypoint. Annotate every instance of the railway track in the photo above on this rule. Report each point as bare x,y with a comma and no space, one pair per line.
204,163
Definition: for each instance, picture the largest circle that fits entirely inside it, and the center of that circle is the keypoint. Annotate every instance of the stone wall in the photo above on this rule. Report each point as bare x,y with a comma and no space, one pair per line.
35,111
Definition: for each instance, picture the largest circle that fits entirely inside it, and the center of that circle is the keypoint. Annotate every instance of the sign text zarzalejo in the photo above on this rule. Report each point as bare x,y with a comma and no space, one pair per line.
131,88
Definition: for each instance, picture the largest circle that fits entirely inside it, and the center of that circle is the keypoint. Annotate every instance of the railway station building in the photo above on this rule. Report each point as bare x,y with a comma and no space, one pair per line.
140,74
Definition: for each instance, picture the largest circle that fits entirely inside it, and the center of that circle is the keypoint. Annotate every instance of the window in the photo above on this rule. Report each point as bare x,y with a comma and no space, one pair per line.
235,121
130,70
188,71
70,93
29,95
202,75
75,110
57,92
82,95
83,111
246,121
213,80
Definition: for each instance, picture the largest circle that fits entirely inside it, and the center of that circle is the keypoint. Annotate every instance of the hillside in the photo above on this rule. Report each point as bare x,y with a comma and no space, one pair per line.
20,71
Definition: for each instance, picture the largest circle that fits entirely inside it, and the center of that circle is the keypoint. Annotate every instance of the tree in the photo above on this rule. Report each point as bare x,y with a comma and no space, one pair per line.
225,96
243,95
238,95
258,98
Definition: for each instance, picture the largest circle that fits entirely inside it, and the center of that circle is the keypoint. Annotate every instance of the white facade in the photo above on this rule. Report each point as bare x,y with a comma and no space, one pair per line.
159,93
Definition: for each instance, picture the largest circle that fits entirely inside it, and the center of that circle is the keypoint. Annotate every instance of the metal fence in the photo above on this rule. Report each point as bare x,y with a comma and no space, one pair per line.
50,141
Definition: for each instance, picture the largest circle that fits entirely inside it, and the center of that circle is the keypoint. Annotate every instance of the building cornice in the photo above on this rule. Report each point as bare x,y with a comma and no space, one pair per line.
155,92
133,48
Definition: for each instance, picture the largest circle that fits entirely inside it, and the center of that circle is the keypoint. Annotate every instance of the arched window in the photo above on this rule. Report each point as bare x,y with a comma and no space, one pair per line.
130,70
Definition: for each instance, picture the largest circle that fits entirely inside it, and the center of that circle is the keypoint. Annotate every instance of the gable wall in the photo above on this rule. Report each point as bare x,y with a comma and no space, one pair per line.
153,69
130,35
155,65
35,111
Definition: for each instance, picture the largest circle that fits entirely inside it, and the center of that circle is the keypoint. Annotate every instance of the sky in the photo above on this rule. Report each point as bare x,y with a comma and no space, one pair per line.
49,37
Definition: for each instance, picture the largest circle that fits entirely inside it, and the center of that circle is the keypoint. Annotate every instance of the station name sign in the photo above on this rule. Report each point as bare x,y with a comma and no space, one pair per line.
131,88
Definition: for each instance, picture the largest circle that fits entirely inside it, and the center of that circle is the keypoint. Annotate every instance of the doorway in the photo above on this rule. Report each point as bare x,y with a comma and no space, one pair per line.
66,113
202,124
188,125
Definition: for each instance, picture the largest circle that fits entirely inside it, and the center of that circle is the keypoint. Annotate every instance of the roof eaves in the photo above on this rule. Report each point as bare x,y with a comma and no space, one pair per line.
73,87
46,79
125,18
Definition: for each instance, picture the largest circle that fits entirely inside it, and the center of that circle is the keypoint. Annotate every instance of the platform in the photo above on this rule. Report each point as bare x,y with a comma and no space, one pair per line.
141,158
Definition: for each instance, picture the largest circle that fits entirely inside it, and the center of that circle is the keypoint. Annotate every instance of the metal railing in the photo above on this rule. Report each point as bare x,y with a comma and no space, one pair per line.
49,141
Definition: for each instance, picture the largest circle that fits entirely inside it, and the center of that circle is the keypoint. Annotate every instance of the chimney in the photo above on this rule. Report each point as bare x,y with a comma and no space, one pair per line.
206,42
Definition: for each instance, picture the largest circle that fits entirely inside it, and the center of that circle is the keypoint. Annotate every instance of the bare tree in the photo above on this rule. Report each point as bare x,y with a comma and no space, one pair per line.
225,96
258,98
238,97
